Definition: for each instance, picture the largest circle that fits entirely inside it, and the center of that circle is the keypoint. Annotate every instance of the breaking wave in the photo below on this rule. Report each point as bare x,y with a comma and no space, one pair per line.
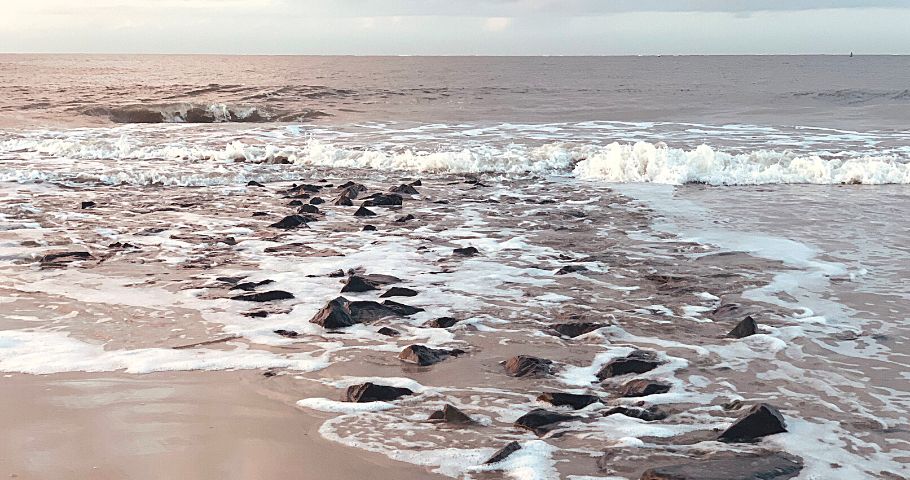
196,113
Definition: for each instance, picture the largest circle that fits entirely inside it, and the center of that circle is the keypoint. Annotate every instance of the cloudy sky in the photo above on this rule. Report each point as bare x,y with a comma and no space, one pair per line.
451,27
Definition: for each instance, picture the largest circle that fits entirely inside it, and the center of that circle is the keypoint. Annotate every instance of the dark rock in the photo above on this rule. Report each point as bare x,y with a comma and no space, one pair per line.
368,311
525,366
642,388
389,332
571,269
364,212
335,314
308,208
406,218
295,203
269,296
88,204
541,421
761,420
503,453
287,333
650,414
257,314
343,201
399,292
441,322
66,257
231,241
253,183
465,252
370,392
576,401
426,356
369,228
250,286
416,183
726,310
402,309
121,245
638,361
290,222
744,328
773,466
405,189
269,374
229,280
383,200
337,274
451,415
260,214
316,201
356,283
354,187
577,329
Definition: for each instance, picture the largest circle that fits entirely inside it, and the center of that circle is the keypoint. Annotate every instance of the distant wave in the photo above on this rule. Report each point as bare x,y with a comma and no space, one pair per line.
196,113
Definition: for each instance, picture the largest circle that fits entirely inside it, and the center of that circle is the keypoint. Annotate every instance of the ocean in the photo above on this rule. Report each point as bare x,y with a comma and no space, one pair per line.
688,192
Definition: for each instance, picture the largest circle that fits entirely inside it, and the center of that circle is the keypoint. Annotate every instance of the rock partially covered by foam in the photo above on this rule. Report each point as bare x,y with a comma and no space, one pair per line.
371,392
773,466
426,356
451,415
573,400
335,314
747,327
639,361
503,453
528,366
760,421
541,421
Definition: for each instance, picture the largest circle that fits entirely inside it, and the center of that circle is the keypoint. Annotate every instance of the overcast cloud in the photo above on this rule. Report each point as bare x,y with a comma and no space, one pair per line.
447,27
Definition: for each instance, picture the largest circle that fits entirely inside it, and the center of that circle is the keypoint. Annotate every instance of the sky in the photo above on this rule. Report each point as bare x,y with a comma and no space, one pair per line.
456,27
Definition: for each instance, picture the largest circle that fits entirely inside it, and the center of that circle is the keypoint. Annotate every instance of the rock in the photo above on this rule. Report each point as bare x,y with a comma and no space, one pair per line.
465,252
773,466
425,356
638,361
308,208
642,388
356,283
399,292
343,201
528,366
269,296
441,322
337,274
316,201
368,311
559,399
576,329
88,204
253,183
295,203
726,310
761,420
503,453
260,214
353,187
405,189
404,219
364,212
389,332
369,228
416,183
451,415
744,328
541,421
287,333
121,245
383,200
290,222
257,314
370,392
650,414
250,286
65,257
402,309
335,314
571,269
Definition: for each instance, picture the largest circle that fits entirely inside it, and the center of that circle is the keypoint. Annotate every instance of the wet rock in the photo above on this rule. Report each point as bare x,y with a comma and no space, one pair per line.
63,257
773,466
761,420
541,421
356,283
316,201
369,228
404,219
650,414
451,415
295,203
401,309
269,296
260,214
88,204
370,392
745,328
399,292
389,332
465,252
368,311
425,356
343,201
253,183
503,453
405,189
257,314
383,200
287,333
269,374
337,274
335,314
308,208
250,286
576,401
364,212
639,361
228,280
291,222
571,269
726,310
575,329
304,188
416,183
642,388
528,366
121,245
441,322
230,241
353,187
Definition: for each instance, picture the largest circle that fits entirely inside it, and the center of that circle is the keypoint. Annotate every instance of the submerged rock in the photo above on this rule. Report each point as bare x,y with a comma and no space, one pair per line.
369,228
250,286
399,292
745,328
88,204
369,311
253,183
405,189
503,453
465,252
356,283
364,212
335,314
401,309
643,388
760,421
525,366
316,201
287,333
650,414
62,257
308,208
426,356
576,401
451,415
441,322
291,221
406,218
541,421
773,466
269,296
389,332
383,200
639,361
371,392
576,329
343,201
571,269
